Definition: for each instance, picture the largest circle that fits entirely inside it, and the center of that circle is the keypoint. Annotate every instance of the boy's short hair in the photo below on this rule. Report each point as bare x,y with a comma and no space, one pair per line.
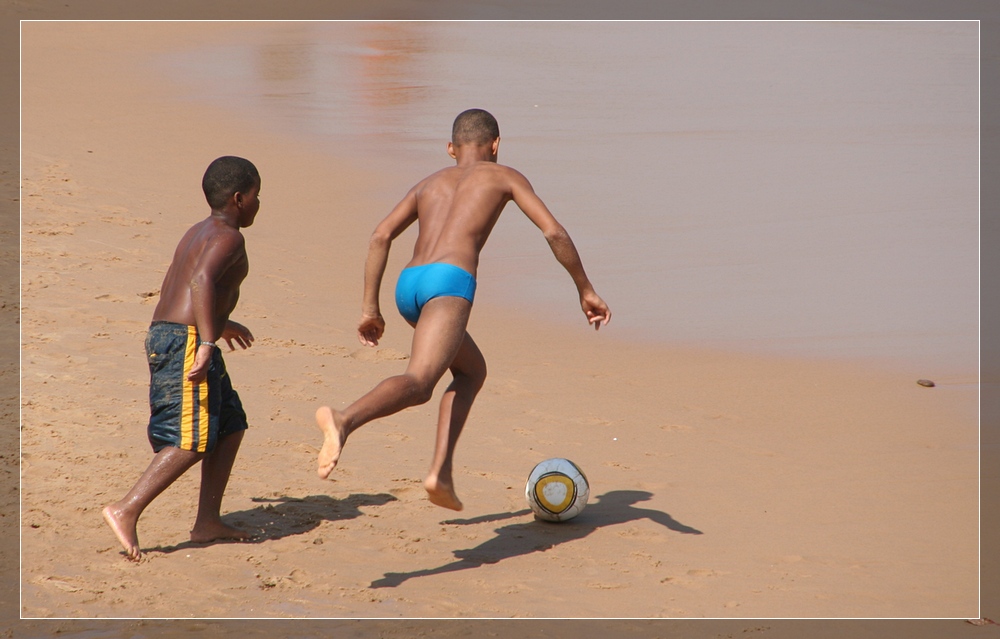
225,176
474,126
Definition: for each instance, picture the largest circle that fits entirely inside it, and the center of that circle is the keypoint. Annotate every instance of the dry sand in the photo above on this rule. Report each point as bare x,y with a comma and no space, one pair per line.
723,485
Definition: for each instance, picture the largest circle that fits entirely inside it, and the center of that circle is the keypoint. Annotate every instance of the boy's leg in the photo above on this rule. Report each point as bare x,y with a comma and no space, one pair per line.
122,516
469,369
215,471
437,338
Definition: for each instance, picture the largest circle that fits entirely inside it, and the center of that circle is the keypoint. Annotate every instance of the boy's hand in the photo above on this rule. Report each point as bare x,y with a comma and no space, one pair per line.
595,309
202,358
370,329
238,332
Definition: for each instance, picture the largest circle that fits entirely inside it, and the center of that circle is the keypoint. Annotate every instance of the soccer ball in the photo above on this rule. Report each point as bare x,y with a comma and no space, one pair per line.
557,490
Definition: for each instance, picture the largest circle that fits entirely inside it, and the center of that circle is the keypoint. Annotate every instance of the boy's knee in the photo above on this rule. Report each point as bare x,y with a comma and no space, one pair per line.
479,376
475,377
421,390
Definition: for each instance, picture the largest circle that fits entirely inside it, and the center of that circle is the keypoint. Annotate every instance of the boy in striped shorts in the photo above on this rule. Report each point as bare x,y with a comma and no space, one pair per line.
195,415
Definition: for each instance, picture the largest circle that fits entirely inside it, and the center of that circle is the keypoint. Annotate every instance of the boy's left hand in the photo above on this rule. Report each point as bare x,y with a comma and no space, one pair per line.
595,309
238,332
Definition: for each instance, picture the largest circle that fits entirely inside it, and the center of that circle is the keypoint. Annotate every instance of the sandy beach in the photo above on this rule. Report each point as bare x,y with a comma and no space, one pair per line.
723,484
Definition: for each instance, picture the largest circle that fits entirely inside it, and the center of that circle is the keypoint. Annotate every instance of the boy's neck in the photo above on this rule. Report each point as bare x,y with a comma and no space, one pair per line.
227,217
472,153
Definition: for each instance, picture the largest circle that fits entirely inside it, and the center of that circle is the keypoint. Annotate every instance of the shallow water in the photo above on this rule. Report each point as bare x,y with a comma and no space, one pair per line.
795,188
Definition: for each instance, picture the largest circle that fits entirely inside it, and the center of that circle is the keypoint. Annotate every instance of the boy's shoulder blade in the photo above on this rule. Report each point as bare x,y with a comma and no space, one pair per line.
216,229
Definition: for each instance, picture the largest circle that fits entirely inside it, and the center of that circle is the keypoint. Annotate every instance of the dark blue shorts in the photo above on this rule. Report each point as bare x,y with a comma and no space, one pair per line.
419,284
184,414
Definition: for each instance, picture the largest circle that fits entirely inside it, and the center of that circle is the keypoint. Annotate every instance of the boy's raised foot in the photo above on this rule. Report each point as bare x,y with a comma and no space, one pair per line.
334,437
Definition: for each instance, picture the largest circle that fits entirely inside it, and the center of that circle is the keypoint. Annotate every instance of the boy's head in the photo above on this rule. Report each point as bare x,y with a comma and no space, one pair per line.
228,175
476,127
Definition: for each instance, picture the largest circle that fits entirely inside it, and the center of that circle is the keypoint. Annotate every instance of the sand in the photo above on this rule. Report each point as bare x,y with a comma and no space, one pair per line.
724,485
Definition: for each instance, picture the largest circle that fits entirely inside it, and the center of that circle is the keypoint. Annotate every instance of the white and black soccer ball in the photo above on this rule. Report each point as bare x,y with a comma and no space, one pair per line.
557,490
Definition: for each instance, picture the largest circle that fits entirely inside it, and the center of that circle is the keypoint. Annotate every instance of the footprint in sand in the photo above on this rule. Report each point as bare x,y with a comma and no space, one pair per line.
61,584
399,437
121,216
606,586
61,229
506,387
378,355
403,491
618,465
708,413
675,427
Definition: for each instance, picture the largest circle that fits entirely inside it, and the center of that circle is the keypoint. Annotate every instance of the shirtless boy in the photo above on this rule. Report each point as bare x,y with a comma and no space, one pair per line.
195,415
456,209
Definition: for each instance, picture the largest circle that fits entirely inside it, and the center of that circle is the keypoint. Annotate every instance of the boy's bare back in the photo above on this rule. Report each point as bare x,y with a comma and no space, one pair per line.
457,208
219,250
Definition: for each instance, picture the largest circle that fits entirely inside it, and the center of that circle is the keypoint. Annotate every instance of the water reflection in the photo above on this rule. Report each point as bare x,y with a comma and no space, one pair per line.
292,59
387,77
332,79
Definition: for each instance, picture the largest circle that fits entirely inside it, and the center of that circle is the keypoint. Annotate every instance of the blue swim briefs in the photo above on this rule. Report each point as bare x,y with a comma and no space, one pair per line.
184,414
419,284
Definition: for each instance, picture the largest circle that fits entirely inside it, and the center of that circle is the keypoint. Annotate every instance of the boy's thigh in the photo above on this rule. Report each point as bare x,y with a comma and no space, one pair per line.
438,335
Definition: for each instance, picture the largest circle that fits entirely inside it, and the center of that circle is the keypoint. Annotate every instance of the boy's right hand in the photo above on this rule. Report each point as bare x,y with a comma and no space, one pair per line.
202,359
370,329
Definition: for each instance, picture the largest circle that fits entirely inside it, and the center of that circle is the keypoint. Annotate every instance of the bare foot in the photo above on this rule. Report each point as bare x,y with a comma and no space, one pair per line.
204,533
125,531
334,436
442,494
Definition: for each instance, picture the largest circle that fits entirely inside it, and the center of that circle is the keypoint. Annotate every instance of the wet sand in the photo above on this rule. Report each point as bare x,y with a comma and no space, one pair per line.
723,484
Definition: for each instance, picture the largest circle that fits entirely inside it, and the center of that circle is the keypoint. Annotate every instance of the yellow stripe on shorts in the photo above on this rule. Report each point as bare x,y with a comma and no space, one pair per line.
194,407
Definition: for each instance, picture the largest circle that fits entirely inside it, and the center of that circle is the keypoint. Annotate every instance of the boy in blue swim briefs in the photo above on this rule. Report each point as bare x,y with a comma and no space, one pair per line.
195,415
455,210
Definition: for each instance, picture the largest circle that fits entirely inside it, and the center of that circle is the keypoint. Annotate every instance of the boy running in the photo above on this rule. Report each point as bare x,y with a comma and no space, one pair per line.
456,208
195,415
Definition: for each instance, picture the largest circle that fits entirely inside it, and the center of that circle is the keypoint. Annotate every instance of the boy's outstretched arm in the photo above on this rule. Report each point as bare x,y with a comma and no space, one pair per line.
593,306
372,325
563,249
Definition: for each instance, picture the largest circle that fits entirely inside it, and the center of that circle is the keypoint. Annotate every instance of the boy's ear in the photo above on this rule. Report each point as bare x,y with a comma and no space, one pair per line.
496,146
451,151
